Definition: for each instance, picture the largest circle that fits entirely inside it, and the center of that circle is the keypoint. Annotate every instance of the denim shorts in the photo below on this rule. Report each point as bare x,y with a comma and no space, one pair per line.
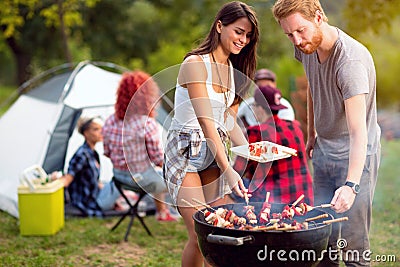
205,159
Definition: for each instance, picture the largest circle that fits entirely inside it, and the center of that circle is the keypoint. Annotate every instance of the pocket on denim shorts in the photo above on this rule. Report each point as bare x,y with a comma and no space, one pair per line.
197,162
196,157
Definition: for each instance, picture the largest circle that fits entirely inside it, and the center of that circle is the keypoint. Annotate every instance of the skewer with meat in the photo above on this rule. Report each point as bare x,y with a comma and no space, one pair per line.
209,216
234,219
299,226
306,208
288,212
218,216
249,210
225,218
250,215
265,210
284,221
295,210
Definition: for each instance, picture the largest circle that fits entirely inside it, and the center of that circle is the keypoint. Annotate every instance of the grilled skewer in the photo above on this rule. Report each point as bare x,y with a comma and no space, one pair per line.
325,215
342,219
193,206
267,197
246,198
203,204
310,208
336,220
298,200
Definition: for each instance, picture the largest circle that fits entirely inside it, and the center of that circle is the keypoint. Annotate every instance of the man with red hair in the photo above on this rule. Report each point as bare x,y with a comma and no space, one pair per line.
343,134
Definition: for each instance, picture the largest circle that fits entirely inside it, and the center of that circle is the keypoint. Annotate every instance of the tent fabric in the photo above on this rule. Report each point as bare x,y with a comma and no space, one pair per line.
87,89
24,132
52,89
39,128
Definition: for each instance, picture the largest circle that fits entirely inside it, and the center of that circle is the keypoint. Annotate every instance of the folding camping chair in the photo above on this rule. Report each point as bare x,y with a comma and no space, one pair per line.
133,209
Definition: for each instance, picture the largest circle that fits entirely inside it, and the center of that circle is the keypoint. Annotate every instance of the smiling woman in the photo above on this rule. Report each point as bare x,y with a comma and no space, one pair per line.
207,96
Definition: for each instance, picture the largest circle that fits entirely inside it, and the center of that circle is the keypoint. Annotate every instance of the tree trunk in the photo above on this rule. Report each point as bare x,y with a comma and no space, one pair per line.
22,59
64,34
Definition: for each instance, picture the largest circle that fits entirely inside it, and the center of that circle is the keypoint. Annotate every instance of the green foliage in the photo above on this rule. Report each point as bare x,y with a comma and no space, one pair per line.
362,15
287,68
385,229
124,30
11,16
155,34
6,98
68,9
29,28
168,55
7,65
385,50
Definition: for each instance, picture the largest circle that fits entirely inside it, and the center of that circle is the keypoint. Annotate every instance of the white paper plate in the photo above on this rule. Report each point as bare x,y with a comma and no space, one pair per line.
283,152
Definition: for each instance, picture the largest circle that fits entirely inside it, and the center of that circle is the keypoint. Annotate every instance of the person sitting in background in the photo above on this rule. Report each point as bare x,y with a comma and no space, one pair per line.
286,179
86,192
263,77
132,140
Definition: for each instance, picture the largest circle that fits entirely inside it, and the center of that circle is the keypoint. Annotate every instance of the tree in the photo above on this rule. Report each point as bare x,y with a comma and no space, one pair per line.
364,15
28,25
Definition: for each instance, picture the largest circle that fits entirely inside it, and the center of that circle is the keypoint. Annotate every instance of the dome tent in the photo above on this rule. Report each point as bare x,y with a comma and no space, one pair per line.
39,128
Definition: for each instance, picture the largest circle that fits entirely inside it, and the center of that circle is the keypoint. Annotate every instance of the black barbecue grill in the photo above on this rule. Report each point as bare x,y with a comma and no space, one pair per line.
233,247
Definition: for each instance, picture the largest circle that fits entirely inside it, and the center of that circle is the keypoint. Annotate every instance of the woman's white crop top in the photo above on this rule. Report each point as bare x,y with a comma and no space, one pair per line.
184,115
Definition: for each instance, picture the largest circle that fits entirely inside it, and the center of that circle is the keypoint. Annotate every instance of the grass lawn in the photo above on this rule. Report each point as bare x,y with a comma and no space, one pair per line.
89,242
385,229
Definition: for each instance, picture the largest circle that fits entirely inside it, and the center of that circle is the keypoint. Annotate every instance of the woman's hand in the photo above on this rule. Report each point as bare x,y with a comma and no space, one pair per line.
235,181
101,185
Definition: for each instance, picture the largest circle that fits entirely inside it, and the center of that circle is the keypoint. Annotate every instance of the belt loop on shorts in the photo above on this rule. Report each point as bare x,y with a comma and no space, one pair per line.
195,143
189,142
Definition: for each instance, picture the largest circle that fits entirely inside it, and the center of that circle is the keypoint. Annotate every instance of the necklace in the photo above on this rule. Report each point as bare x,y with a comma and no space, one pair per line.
228,119
225,91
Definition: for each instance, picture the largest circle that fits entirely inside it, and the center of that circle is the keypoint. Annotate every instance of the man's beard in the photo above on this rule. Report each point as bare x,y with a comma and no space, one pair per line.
311,47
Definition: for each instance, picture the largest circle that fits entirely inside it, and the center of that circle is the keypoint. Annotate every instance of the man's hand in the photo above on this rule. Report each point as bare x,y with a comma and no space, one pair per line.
343,199
310,146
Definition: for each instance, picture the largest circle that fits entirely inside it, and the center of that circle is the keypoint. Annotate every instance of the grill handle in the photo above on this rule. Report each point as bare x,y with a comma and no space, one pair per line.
228,240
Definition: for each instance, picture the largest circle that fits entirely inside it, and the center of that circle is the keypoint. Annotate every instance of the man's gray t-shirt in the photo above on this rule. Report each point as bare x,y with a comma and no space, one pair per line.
347,72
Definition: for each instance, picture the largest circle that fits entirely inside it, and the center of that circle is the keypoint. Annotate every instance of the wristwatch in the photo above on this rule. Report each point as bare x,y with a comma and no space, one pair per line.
354,186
